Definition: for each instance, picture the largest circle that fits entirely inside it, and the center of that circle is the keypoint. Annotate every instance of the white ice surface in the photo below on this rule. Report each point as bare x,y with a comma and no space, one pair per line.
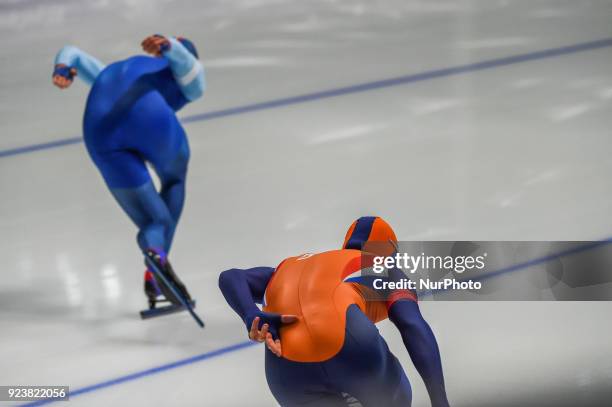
513,153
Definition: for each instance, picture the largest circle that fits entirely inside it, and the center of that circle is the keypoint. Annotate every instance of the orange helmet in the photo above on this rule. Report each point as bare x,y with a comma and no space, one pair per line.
370,229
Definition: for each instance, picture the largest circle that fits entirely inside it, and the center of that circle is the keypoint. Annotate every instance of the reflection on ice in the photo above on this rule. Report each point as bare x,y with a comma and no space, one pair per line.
110,282
347,133
70,277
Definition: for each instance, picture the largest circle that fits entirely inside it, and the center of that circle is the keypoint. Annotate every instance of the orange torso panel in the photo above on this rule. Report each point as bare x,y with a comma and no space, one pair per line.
311,286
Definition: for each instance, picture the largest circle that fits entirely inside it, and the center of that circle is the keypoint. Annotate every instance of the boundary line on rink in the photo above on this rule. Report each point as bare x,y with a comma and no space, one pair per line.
351,89
242,345
148,372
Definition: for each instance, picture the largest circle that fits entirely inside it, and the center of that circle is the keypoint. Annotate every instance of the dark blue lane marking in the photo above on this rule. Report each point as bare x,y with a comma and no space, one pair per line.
43,146
148,372
362,87
232,348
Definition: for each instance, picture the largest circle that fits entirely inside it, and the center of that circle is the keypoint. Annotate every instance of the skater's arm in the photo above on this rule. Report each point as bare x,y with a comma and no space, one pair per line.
421,344
242,290
186,69
71,61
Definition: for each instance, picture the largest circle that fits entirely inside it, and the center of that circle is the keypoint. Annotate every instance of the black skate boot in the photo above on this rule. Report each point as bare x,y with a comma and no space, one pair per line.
171,287
152,290
176,285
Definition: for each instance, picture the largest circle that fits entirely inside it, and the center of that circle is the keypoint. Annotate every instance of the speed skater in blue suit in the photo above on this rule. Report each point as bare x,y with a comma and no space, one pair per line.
130,121
318,323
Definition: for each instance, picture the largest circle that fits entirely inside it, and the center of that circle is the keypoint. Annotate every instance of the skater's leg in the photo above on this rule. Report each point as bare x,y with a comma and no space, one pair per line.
144,205
149,212
173,174
365,368
300,384
173,177
129,181
167,149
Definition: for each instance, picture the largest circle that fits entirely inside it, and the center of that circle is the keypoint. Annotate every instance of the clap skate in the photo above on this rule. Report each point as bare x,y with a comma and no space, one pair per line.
162,286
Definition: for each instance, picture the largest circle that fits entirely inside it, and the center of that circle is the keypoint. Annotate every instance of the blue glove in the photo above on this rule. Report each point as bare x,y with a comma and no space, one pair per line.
64,71
165,46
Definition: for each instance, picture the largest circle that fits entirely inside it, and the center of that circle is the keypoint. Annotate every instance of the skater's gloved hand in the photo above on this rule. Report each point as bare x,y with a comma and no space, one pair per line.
264,326
155,44
63,76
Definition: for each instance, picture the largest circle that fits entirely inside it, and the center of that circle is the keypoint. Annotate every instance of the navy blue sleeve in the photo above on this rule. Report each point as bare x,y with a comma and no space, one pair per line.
243,289
421,344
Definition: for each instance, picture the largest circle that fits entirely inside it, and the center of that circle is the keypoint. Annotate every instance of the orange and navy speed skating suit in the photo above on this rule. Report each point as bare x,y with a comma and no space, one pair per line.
334,353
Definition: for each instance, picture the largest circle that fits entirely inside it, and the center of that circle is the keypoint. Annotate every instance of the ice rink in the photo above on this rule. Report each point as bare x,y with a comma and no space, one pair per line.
454,120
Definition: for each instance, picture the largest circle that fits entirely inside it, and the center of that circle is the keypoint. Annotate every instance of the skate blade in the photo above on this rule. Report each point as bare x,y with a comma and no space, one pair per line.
151,263
166,310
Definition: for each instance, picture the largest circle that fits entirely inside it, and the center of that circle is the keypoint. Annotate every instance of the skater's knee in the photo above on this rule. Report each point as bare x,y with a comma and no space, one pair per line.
184,153
169,181
175,171
172,179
